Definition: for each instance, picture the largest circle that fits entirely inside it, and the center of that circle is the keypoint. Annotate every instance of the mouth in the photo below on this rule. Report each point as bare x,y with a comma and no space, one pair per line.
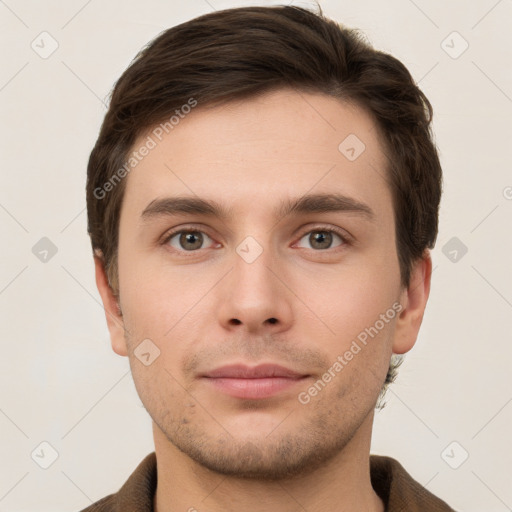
253,383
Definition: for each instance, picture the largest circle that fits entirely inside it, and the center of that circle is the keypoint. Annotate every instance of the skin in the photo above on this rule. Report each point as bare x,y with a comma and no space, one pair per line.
207,307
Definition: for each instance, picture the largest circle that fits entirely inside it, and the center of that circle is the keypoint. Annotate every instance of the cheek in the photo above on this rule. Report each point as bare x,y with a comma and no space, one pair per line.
156,296
352,298
171,310
360,308
158,389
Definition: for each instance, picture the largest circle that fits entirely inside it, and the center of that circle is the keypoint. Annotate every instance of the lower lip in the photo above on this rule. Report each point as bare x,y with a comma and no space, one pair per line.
253,389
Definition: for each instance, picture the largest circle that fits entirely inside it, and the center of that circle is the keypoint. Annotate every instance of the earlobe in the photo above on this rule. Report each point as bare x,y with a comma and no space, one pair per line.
113,315
414,300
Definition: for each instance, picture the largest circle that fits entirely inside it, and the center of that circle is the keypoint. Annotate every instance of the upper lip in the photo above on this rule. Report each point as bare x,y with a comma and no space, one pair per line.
240,371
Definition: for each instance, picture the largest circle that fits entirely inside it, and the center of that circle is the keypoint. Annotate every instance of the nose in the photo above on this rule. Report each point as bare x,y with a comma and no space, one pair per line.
254,296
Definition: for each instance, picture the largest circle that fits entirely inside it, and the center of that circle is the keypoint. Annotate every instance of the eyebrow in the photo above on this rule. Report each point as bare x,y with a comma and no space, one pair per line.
312,203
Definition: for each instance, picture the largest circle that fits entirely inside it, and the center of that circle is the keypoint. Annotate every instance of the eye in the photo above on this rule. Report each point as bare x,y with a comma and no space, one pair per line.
323,238
187,240
192,240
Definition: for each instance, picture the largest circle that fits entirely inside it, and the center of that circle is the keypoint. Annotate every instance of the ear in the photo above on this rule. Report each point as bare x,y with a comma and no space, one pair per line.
414,300
115,321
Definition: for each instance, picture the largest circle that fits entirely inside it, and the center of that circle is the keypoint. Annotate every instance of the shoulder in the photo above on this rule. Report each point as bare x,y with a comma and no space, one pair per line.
399,490
106,504
136,494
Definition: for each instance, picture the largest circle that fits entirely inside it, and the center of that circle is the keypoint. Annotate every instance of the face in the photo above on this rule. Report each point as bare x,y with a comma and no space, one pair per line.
258,303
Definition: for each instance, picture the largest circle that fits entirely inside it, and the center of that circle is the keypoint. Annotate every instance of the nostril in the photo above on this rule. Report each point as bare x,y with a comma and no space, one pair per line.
272,320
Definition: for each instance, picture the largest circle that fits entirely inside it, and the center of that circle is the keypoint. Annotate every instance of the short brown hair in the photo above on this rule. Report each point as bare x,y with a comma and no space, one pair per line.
239,53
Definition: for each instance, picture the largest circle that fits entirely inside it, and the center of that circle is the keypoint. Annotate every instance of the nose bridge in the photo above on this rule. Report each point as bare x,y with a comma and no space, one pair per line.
252,279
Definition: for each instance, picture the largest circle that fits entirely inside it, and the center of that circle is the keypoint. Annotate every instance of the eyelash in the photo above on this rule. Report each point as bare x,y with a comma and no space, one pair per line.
346,239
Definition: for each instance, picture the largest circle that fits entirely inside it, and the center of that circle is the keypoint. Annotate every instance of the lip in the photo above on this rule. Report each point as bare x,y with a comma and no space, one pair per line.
253,383
241,371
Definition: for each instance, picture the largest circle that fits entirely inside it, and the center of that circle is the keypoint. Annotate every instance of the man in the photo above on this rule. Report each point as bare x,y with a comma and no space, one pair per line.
261,200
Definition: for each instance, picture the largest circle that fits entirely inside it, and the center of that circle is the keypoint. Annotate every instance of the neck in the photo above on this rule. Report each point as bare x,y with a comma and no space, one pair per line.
342,484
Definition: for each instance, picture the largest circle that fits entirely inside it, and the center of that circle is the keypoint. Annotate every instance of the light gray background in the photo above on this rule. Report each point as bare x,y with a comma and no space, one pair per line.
61,383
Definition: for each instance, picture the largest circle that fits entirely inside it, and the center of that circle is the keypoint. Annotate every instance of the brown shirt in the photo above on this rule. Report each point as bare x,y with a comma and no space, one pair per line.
396,488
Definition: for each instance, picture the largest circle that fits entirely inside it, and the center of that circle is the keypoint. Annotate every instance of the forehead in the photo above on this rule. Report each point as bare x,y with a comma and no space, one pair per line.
245,152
